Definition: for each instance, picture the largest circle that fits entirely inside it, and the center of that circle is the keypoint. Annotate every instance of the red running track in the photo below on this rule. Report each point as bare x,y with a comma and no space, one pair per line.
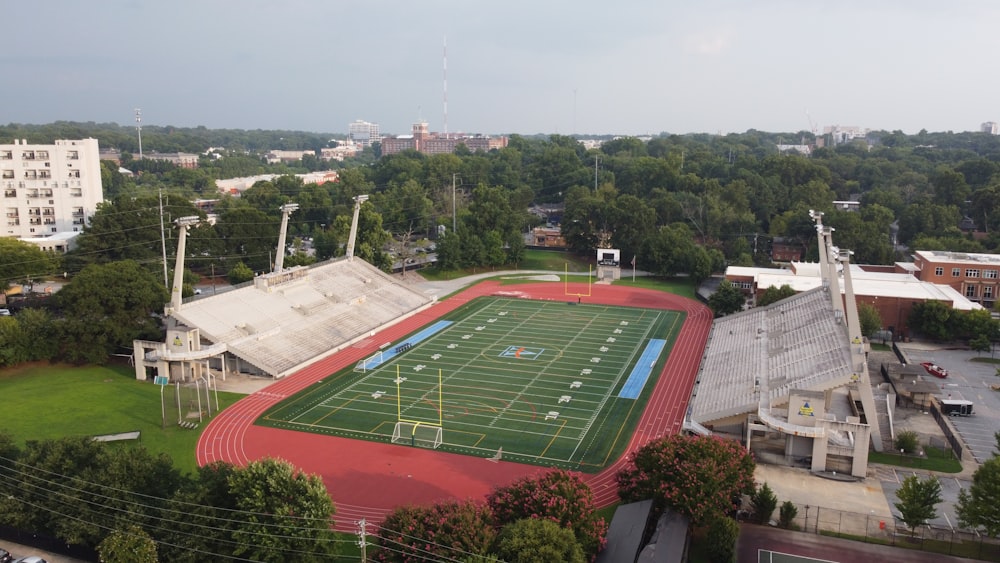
369,479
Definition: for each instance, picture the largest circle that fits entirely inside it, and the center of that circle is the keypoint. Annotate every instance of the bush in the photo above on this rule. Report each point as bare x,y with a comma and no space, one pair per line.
721,538
764,502
787,514
907,441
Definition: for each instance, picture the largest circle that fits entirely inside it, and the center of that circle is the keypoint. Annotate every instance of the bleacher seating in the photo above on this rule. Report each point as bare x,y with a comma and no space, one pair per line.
282,327
797,343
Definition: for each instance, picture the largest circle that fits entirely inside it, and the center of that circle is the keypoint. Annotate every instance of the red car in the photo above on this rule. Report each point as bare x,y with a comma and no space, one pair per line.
935,370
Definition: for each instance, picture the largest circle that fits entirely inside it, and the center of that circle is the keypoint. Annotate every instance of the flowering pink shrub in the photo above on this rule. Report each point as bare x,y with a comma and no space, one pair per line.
559,496
444,530
698,476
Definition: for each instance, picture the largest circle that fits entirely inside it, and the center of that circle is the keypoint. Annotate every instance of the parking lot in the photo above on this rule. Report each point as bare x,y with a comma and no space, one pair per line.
969,380
947,519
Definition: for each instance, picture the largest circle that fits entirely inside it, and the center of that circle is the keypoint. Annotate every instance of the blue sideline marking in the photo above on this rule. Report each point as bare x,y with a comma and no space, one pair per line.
640,373
390,351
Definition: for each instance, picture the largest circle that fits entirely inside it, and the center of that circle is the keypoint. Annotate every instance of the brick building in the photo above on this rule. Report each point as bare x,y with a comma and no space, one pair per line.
975,276
422,140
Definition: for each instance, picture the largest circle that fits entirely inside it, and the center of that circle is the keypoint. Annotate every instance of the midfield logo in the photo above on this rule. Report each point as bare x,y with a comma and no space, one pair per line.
522,352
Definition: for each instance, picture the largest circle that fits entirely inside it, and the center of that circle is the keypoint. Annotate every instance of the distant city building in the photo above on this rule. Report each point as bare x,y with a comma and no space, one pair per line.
179,159
340,152
421,140
844,133
802,149
49,190
236,186
991,127
276,156
363,133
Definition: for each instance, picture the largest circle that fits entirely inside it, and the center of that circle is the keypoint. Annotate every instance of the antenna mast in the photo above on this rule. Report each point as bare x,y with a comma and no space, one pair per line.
446,87
138,128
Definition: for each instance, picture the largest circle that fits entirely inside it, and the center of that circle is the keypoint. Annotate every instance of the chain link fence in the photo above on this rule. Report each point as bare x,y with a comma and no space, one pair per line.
873,528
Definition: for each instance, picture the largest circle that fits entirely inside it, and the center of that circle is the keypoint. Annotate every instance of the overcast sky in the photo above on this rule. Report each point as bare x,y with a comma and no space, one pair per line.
514,66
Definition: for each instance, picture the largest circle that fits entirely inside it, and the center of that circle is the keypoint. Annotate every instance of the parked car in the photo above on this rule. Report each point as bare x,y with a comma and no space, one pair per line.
4,313
935,370
30,559
5,556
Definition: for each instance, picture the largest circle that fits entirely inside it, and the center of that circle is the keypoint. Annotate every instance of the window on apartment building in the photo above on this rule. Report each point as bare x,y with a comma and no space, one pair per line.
990,274
956,272
972,273
746,285
970,291
988,292
939,271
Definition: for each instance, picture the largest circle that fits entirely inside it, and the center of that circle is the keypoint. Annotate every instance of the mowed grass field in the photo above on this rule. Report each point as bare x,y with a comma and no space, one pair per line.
42,401
554,383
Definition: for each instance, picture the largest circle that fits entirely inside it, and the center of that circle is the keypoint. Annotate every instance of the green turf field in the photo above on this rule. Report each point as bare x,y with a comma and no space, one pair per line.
543,380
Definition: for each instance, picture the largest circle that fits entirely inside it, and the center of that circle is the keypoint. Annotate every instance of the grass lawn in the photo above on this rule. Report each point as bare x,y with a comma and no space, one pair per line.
43,401
684,287
936,460
985,360
549,260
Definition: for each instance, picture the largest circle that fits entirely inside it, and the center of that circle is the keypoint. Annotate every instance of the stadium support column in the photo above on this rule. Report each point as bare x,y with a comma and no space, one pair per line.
183,224
858,359
354,226
286,210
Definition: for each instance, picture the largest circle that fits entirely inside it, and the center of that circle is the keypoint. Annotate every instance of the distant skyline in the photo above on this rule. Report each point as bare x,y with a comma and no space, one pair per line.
557,66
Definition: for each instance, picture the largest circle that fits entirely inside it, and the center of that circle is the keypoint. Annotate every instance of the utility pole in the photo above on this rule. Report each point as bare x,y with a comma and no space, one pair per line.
362,540
454,210
163,238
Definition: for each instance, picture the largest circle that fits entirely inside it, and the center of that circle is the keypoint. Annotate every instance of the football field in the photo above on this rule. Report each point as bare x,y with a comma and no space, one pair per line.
554,383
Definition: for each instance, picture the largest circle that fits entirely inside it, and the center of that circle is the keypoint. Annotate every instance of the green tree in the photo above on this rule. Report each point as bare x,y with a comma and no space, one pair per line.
979,506
721,538
291,513
132,545
726,300
107,306
559,496
917,499
934,319
774,294
21,260
870,319
981,344
250,235
787,514
239,273
764,501
701,477
907,441
417,533
531,540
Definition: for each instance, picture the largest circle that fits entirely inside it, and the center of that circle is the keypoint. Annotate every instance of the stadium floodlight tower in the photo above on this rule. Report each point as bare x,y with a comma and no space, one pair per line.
183,224
286,210
358,200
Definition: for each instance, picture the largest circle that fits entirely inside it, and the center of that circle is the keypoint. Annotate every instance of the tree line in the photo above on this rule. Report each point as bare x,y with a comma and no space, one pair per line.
123,501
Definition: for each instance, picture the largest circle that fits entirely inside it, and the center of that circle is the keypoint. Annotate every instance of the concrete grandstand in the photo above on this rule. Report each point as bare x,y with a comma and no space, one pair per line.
793,374
278,323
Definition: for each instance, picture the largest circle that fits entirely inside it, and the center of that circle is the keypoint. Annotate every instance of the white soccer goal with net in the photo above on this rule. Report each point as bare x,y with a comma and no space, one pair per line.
370,362
417,434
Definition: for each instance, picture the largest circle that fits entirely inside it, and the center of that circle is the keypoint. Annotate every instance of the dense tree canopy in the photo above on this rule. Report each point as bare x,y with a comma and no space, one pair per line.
700,477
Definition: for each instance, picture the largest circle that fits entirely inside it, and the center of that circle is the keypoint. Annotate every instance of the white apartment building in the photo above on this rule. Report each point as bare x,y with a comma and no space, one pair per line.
991,127
363,133
49,191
